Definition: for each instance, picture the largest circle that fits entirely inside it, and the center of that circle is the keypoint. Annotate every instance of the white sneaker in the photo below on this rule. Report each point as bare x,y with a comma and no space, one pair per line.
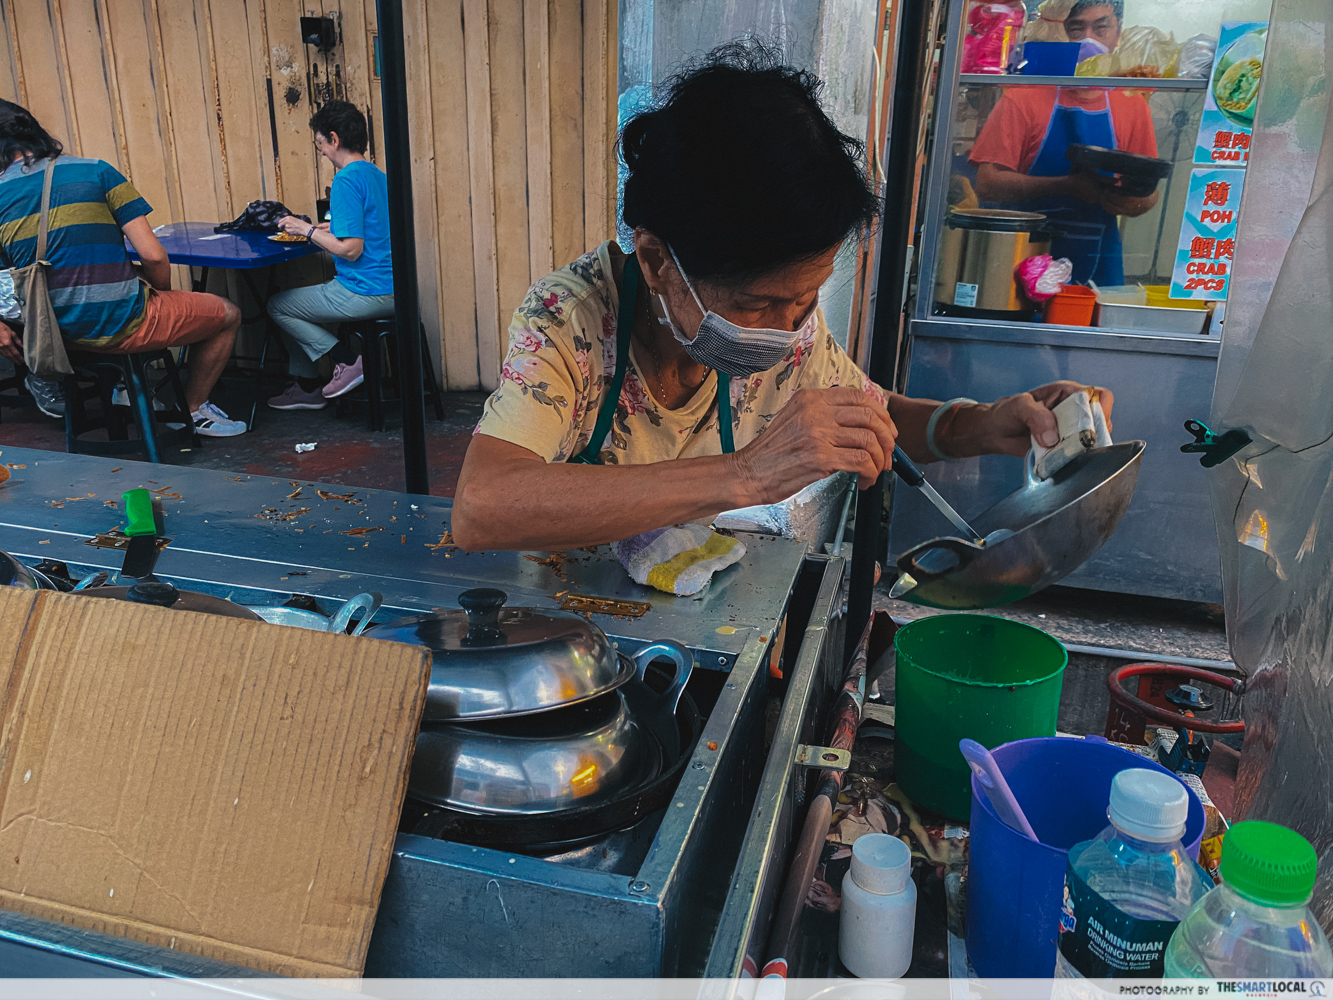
209,421
120,397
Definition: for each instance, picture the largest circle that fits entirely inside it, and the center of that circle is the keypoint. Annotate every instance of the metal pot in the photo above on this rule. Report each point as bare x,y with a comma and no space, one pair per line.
1057,524
979,250
580,756
15,574
367,604
164,595
494,662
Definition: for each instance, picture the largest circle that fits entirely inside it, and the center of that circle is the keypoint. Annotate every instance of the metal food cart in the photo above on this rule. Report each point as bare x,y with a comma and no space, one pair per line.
642,902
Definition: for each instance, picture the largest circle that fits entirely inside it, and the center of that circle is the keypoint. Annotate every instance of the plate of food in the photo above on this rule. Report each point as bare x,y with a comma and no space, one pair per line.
1236,79
287,238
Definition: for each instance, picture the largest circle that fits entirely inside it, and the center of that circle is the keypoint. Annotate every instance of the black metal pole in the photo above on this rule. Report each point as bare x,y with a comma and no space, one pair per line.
911,64
402,237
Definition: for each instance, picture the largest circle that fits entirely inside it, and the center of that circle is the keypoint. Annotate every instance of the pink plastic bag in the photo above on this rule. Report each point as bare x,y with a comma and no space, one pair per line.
994,29
1042,276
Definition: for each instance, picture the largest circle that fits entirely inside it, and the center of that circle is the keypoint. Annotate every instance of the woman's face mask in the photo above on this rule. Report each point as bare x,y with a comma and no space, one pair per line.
731,349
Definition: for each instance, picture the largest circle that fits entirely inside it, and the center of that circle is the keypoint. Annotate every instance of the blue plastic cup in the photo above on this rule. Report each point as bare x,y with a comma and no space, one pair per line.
1015,886
1050,58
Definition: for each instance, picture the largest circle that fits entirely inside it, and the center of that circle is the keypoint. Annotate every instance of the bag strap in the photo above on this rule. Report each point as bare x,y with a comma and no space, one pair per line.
46,209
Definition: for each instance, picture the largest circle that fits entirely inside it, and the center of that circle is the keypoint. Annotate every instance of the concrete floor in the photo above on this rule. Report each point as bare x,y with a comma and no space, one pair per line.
347,452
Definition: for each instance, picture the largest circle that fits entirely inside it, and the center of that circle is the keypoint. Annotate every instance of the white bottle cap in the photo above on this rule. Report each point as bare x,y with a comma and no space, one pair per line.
881,864
1148,805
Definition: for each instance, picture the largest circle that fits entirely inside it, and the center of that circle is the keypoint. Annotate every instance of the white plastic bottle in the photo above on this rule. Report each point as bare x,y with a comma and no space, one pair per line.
1256,923
1128,887
878,909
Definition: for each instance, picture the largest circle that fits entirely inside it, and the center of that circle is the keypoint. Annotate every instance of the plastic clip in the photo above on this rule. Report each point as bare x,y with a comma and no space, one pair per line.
1213,449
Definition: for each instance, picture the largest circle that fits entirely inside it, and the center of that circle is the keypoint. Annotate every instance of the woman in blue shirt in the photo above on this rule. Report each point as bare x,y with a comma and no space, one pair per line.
357,234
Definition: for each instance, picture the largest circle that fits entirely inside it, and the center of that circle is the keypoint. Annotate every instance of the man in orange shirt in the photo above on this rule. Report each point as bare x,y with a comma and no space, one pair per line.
1021,163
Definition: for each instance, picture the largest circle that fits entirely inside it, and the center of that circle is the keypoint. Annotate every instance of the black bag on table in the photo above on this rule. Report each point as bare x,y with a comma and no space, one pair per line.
259,216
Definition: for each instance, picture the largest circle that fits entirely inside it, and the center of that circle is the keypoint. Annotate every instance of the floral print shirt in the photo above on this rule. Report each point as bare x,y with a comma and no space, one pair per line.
562,357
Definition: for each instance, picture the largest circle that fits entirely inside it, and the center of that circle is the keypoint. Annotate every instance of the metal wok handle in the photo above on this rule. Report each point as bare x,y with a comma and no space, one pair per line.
1030,468
367,603
681,656
965,551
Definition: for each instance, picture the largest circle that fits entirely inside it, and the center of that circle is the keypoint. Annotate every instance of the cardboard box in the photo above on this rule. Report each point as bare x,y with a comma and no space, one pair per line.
217,786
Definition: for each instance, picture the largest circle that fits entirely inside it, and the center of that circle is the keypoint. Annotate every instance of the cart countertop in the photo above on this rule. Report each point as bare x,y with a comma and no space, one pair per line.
258,540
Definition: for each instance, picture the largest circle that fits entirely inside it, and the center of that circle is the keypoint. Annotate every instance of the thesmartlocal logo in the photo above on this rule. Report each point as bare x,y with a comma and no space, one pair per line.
1273,987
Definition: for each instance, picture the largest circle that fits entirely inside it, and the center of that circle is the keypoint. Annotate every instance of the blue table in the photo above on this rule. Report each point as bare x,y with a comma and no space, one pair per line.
195,244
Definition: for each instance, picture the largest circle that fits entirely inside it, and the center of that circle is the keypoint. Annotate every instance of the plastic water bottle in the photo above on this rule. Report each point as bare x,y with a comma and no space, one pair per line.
1128,887
1256,924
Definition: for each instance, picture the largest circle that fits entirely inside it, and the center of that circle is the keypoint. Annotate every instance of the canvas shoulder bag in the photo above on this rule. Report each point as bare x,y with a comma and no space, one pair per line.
43,346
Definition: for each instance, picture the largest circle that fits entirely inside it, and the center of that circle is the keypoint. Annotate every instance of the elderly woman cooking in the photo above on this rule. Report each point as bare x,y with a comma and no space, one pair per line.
696,374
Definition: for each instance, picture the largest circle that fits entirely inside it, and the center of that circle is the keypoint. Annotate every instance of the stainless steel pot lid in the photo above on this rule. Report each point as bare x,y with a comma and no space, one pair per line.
493,662
164,595
995,220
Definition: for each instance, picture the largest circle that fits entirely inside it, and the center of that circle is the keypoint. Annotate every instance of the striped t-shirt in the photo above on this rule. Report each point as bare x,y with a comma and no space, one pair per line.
97,297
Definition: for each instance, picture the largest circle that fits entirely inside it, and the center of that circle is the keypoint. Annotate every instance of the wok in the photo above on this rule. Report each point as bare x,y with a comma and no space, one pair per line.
1057,524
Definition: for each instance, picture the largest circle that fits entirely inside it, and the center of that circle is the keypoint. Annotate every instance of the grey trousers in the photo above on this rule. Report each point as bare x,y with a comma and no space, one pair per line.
305,315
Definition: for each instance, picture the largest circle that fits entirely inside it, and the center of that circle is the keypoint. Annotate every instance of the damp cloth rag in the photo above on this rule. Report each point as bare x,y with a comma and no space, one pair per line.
1081,425
678,560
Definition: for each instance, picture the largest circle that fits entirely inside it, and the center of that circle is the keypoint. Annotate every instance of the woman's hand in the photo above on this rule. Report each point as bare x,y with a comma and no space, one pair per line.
11,347
293,226
1006,426
817,433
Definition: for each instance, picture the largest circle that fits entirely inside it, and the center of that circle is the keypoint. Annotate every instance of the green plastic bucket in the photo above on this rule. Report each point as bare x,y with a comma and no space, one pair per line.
968,677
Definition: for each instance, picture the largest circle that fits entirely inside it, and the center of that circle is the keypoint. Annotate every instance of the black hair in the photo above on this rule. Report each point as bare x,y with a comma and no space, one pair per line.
1117,8
21,133
346,120
740,170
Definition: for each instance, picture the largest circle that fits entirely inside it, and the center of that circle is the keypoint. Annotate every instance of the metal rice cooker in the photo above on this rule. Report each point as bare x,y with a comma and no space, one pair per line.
979,250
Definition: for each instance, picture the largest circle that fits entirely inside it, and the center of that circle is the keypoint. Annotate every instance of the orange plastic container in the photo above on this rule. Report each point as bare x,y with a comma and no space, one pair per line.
1071,306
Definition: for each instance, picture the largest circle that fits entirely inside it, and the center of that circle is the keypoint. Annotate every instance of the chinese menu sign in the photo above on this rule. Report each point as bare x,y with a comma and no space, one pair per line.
1207,235
1208,230
1228,103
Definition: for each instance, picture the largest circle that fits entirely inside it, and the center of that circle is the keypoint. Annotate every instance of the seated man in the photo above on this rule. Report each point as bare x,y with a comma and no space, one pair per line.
358,237
99,301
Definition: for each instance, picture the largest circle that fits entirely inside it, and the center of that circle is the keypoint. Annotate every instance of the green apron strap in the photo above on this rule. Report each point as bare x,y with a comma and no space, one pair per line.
629,288
724,413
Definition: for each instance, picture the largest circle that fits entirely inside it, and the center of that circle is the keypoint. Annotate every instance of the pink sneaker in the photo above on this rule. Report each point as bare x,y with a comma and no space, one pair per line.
345,379
296,398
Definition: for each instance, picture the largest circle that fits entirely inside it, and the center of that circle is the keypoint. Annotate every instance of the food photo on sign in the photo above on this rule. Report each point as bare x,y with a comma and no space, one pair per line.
1233,90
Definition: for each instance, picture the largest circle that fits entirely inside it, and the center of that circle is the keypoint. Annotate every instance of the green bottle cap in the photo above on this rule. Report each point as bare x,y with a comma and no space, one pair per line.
1268,863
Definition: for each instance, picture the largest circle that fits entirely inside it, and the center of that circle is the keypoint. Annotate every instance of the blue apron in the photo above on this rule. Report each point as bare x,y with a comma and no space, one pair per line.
1085,233
629,290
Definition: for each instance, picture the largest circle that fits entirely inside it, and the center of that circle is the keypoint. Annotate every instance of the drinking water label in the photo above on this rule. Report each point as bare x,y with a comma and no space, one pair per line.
1102,941
965,295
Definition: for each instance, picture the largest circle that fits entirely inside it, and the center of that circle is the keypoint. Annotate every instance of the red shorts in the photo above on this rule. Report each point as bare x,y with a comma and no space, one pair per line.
171,319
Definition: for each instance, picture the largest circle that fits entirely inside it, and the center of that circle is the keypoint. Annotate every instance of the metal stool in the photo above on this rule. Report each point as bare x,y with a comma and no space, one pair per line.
96,376
382,330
